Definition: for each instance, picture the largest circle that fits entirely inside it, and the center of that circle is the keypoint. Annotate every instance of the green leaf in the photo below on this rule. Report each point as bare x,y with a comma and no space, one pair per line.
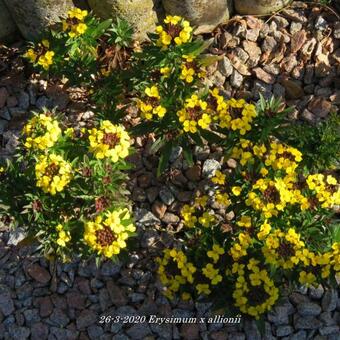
164,158
158,144
143,128
187,153
211,137
101,28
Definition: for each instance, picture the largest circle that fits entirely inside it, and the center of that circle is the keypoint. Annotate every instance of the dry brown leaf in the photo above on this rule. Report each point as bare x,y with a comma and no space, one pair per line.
298,39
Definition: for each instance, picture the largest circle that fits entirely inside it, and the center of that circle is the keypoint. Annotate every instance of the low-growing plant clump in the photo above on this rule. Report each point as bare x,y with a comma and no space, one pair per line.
67,183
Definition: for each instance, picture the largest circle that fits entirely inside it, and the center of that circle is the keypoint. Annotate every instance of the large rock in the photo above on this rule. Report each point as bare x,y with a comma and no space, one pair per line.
139,13
7,25
200,13
34,16
259,7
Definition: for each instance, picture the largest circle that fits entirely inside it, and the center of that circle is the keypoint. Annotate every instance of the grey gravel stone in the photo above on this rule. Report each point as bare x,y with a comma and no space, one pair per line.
31,316
110,268
86,318
308,309
225,67
17,332
284,330
329,300
210,166
139,331
175,153
278,315
6,304
145,218
24,100
39,331
95,332
329,330
301,335
316,293
59,318
166,196
236,79
306,322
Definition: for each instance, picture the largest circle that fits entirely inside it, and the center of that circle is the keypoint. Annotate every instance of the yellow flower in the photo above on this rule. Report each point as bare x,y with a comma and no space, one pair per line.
81,28
42,132
219,178
176,30
109,141
236,190
46,60
245,221
264,231
307,279
108,233
77,13
215,252
187,74
31,55
165,71
203,288
63,236
53,173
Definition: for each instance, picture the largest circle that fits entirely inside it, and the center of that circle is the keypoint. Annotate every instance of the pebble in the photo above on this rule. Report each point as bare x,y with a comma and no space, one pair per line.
316,293
225,67
284,330
329,300
6,304
3,96
166,196
236,79
210,167
85,319
170,218
308,309
145,217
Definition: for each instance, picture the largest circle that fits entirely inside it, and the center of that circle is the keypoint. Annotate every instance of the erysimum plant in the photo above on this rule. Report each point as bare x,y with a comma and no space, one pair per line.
75,48
272,226
67,187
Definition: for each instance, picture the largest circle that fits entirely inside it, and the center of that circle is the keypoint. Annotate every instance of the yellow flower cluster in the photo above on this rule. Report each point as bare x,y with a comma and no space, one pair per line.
194,214
176,30
283,249
239,249
109,141
41,55
151,106
282,157
326,188
108,233
63,236
234,114
212,274
41,132
273,196
190,69
75,22
181,272
255,293
53,173
194,114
